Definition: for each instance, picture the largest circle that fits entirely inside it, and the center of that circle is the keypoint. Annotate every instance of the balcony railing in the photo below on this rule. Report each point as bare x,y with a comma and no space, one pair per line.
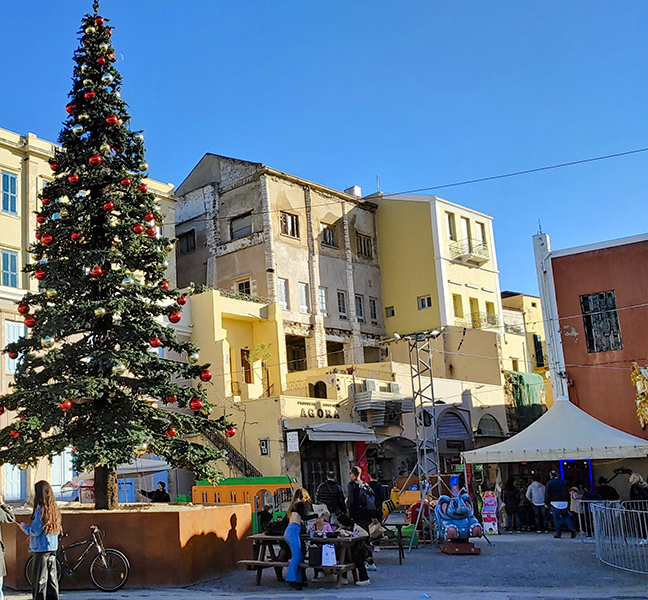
469,250
479,320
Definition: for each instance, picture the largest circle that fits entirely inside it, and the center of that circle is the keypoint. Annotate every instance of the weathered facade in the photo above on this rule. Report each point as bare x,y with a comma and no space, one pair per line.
245,227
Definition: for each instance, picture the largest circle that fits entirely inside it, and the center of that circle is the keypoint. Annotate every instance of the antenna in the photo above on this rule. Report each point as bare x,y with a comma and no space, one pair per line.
378,182
539,226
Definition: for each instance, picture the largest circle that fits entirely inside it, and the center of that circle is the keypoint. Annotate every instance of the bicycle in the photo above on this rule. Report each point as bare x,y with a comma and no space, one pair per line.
109,570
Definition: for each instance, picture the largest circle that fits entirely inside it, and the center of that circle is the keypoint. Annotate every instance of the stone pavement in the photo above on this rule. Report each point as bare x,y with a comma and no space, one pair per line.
517,567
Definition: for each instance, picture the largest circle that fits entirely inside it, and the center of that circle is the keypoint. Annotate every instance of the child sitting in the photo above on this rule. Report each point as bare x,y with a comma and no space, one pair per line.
321,526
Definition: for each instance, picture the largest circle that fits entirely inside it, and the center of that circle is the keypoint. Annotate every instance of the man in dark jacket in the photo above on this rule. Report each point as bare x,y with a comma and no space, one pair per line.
557,496
358,509
331,493
605,490
159,495
379,494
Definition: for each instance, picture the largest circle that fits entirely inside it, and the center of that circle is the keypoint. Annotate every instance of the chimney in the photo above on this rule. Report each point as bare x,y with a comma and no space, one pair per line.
354,190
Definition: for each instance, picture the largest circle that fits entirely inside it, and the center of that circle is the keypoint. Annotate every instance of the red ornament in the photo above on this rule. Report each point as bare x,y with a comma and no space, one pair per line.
13,356
149,216
40,274
54,165
38,236
156,342
170,432
23,308
112,119
69,108
230,432
110,32
126,181
95,160
175,317
206,375
45,201
46,238
164,285
150,231
41,218
74,178
99,20
66,405
96,272
75,235
101,61
196,404
90,94
138,228
143,188
113,243
108,206
182,300
30,320
14,434
172,399
111,56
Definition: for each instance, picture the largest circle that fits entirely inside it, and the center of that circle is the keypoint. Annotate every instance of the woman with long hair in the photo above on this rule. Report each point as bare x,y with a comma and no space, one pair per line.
43,535
297,514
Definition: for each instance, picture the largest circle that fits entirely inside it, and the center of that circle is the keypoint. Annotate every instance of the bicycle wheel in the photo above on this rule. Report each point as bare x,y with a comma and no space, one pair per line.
29,565
110,574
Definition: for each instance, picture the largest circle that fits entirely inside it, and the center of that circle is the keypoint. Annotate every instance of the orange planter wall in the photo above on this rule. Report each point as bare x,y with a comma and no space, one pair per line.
173,547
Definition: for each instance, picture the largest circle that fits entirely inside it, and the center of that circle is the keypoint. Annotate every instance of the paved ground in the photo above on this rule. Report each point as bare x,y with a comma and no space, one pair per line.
516,567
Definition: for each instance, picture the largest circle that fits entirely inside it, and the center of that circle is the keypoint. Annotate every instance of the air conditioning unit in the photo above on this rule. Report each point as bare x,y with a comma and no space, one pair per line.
396,387
372,385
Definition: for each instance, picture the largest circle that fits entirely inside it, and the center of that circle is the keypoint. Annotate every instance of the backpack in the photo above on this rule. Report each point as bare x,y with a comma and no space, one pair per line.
366,498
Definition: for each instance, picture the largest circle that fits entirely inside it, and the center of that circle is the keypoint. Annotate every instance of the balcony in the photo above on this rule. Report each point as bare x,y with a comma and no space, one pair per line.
479,320
469,251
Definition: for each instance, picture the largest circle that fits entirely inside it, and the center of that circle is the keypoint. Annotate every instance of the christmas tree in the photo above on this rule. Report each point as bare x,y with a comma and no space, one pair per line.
89,375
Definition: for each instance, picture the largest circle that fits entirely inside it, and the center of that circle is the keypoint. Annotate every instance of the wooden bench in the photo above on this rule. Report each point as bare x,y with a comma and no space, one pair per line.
278,566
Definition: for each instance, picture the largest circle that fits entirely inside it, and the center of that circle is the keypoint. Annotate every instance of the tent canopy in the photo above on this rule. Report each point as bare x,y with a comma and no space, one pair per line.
564,432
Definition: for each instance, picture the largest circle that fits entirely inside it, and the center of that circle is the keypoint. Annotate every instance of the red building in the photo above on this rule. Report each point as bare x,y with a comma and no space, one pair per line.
595,307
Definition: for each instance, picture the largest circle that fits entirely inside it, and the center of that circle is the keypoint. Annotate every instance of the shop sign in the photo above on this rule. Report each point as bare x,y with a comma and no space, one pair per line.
317,410
292,441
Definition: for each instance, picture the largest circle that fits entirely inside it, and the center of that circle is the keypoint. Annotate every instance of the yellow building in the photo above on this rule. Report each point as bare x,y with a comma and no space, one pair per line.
24,169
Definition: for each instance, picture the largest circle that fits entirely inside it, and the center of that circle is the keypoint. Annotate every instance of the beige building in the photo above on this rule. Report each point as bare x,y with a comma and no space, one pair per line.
251,229
24,169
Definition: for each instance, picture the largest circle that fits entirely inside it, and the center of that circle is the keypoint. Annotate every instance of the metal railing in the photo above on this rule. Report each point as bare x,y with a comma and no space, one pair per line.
619,531
469,247
479,320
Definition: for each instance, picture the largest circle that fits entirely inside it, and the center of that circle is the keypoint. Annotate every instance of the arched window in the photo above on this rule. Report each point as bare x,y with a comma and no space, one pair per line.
452,427
318,390
489,426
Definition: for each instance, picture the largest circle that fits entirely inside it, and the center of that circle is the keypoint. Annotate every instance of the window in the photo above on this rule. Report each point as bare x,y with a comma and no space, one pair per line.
9,193
457,305
323,301
539,353
289,225
365,247
241,226
516,364
244,287
187,242
246,366
601,322
13,332
373,311
9,268
465,229
389,311
359,303
282,287
534,304
328,236
424,302
480,233
342,306
490,308
304,304
452,227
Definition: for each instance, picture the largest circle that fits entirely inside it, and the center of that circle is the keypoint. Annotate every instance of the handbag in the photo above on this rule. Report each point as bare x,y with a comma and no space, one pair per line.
328,555
315,556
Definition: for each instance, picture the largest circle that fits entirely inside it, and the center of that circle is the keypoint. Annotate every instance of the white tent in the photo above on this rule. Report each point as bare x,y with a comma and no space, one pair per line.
564,432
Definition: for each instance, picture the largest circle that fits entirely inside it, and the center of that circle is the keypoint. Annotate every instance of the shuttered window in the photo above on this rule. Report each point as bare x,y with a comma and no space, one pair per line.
451,427
9,193
601,322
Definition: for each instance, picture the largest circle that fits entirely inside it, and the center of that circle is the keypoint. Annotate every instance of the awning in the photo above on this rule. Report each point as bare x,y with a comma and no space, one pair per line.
564,432
340,432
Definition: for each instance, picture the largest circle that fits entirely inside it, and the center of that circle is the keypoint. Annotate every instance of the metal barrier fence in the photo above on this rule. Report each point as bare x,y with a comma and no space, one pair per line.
620,531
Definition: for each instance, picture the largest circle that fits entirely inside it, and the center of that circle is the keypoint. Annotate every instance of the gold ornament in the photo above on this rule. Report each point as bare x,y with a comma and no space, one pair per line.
87,82
193,358
47,341
100,312
90,30
168,248
103,46
139,137
119,369
51,293
77,129
104,148
64,213
143,166
83,117
141,449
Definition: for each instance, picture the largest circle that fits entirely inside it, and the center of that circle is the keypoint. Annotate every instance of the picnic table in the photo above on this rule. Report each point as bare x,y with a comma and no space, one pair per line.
397,520
266,556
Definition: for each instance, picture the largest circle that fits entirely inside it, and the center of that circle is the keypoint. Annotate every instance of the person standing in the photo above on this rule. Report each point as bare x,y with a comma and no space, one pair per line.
605,490
297,516
379,495
331,493
557,496
638,487
536,495
359,499
158,495
6,516
43,535
512,503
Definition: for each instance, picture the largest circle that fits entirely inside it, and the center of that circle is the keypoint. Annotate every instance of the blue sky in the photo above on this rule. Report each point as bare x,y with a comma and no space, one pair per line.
422,93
